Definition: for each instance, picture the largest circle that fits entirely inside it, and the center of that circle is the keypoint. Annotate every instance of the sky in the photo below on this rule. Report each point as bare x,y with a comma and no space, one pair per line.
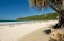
12,9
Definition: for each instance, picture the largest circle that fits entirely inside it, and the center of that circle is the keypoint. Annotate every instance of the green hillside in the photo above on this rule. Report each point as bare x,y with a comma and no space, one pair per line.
48,16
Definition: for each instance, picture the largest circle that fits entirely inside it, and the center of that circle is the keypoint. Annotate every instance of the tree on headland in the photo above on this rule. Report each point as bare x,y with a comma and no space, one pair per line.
49,16
56,5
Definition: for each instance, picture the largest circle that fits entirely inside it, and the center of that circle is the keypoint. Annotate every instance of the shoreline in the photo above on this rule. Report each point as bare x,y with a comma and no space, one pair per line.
27,22
17,31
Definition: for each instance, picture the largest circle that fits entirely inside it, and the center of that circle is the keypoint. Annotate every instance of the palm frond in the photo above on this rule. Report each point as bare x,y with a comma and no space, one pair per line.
42,3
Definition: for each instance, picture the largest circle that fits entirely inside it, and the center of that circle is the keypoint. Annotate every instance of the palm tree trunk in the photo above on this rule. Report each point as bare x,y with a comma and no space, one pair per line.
60,23
61,17
61,20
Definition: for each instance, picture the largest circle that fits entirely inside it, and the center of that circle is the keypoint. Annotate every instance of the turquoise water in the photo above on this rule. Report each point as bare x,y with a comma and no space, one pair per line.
12,20
18,20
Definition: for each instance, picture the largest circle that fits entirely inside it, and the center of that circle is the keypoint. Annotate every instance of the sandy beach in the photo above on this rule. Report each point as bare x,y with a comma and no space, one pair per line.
31,31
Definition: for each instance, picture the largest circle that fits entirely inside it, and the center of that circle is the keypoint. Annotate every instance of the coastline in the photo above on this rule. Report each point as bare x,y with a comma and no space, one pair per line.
17,31
24,22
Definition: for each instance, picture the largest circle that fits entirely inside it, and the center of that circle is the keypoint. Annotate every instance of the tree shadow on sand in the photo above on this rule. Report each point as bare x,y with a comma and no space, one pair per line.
48,31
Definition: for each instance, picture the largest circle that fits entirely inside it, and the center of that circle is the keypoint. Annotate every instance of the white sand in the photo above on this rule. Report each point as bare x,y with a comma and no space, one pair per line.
15,32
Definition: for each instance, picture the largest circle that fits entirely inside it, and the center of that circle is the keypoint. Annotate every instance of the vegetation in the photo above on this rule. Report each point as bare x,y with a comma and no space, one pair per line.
56,5
40,17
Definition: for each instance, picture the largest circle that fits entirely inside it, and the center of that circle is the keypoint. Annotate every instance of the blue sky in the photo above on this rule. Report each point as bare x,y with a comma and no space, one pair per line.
12,9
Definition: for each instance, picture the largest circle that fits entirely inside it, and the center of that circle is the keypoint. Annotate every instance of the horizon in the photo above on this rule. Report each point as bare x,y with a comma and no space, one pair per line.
12,9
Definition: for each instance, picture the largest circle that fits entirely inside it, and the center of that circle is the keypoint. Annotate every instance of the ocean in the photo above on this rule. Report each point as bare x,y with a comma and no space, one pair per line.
9,22
13,20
